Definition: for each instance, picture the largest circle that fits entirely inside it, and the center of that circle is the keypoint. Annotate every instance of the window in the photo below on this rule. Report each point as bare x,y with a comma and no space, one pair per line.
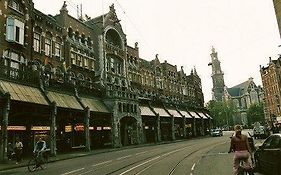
15,31
15,5
73,60
57,49
36,42
86,63
48,46
13,60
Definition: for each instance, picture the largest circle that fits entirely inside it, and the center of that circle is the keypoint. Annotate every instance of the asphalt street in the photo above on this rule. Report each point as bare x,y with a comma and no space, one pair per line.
191,157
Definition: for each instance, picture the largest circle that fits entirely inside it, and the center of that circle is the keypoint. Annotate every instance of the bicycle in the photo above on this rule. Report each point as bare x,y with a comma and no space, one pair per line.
39,159
244,171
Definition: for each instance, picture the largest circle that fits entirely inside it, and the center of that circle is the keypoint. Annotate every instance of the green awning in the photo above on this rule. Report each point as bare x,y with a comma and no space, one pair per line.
95,105
64,100
23,93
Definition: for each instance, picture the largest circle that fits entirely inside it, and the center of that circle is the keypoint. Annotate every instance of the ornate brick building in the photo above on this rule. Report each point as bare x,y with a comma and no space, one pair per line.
77,84
271,82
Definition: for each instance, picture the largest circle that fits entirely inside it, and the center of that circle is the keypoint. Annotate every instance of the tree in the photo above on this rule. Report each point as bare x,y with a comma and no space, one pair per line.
255,113
222,112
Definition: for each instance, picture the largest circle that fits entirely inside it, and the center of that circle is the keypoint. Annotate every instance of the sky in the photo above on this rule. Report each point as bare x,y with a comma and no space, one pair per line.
243,32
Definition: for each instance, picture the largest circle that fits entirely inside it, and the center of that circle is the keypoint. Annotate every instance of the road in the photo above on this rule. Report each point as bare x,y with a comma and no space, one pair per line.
190,157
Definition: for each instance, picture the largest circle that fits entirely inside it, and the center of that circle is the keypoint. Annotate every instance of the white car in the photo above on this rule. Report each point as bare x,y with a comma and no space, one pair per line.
216,132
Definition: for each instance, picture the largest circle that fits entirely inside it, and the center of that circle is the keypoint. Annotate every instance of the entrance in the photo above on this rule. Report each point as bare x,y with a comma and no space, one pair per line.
128,131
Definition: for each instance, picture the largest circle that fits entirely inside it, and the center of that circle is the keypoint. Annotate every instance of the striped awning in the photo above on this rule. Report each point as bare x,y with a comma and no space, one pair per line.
146,111
23,93
174,113
64,100
206,114
202,115
186,114
95,105
194,114
161,112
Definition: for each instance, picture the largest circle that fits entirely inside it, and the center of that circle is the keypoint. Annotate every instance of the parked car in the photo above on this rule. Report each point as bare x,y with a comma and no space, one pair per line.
268,156
216,132
260,131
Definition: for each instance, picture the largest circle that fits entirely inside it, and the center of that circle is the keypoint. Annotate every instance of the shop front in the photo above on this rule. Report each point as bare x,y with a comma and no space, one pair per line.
149,122
165,124
100,122
188,123
27,108
178,123
197,123
70,133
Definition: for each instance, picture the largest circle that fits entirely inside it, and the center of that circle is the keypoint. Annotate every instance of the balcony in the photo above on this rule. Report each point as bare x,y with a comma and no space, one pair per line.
121,94
112,49
23,75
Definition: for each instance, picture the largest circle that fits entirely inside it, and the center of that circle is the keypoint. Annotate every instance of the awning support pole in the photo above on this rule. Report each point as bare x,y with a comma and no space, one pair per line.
87,131
53,146
4,128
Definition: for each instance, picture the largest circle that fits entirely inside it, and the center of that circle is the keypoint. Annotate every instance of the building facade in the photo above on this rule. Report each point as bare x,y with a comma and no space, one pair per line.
270,75
243,96
77,84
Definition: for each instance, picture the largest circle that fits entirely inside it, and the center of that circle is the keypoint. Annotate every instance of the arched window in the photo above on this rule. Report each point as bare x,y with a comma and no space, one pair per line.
72,78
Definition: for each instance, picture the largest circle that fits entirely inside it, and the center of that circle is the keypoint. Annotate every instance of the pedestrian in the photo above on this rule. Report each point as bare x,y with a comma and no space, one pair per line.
242,151
18,150
10,151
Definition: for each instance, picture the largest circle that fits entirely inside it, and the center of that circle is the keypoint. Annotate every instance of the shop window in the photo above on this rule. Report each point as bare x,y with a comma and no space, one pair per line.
15,31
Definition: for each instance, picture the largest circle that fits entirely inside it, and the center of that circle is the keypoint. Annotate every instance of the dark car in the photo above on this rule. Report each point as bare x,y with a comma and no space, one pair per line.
268,156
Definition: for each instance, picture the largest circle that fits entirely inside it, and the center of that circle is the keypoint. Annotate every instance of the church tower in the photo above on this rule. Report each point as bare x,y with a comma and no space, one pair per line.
217,77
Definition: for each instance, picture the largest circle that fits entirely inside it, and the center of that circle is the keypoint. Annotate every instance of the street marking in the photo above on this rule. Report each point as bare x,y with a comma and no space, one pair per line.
120,158
141,152
192,169
139,165
102,163
86,172
74,171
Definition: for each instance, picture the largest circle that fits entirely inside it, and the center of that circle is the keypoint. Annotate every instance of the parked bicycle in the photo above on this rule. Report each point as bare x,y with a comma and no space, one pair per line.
38,160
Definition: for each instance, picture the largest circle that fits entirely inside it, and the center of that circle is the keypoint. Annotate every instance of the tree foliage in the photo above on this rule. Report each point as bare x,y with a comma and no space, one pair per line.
255,113
222,112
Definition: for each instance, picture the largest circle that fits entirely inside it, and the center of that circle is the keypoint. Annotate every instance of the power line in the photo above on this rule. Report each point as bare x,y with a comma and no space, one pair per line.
134,25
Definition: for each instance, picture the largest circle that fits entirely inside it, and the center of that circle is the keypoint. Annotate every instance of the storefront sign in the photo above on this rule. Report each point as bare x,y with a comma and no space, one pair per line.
107,128
79,128
15,128
40,128
68,128
91,128
99,128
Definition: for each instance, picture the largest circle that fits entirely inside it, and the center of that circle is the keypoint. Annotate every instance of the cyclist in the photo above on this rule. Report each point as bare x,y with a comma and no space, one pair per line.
240,145
39,149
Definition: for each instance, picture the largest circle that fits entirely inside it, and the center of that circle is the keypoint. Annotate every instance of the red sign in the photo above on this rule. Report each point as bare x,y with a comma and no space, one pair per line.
79,128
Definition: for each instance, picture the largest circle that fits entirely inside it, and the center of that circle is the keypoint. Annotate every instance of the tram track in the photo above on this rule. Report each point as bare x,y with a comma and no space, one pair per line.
153,160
